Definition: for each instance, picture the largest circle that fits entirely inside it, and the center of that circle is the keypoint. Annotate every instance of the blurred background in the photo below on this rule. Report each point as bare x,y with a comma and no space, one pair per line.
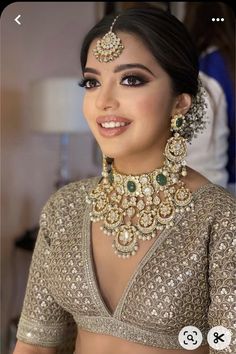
43,147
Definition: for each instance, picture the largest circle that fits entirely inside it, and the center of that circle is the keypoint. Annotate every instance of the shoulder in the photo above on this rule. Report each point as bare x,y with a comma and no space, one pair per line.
73,191
210,197
219,198
66,201
194,180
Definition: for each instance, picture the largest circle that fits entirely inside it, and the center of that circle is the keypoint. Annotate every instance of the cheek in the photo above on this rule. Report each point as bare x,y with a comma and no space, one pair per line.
147,105
152,106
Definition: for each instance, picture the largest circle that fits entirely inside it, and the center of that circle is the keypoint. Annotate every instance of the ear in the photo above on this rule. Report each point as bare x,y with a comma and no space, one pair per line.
182,104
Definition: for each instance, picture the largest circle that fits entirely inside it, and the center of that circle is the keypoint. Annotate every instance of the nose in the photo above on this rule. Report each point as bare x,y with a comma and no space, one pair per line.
107,98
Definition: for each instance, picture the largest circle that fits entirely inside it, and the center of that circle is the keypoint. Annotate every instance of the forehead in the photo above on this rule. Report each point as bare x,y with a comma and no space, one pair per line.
134,52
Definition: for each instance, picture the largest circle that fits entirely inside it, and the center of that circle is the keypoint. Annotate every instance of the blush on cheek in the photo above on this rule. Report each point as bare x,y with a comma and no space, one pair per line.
150,107
141,105
156,103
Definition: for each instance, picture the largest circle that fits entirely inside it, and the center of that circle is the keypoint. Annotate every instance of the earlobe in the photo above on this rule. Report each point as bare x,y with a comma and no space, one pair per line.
183,103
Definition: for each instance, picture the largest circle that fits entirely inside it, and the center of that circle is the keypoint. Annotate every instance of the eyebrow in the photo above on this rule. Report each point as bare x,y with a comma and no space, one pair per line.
120,68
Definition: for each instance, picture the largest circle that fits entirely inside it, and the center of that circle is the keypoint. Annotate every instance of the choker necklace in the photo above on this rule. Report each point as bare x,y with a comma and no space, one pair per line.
135,207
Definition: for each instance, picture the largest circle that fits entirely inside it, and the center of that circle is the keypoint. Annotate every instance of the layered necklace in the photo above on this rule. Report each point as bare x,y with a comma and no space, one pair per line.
135,207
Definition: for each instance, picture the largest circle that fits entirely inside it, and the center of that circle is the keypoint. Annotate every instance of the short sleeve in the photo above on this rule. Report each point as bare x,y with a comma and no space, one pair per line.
43,322
222,271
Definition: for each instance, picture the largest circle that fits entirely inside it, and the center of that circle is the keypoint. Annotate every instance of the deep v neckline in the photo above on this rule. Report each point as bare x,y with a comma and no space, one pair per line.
90,265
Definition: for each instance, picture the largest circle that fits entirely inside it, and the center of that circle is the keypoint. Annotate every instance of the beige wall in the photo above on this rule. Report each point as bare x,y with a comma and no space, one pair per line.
46,44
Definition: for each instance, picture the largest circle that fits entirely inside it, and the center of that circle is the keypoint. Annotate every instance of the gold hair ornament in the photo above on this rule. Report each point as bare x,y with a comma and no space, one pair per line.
109,47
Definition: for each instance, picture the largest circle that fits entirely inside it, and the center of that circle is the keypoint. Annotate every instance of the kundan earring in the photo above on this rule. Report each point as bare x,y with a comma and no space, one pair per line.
177,122
176,147
105,168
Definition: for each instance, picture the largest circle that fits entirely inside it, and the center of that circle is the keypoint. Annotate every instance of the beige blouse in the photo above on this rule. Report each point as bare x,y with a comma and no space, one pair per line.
187,277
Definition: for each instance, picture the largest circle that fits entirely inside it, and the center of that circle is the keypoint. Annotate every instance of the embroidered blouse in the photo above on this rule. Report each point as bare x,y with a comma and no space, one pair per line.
187,277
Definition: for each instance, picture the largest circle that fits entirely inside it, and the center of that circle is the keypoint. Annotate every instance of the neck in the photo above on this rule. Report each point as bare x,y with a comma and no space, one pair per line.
138,164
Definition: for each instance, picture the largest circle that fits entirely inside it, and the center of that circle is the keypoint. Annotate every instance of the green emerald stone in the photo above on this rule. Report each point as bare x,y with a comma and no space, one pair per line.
111,178
131,186
179,122
161,179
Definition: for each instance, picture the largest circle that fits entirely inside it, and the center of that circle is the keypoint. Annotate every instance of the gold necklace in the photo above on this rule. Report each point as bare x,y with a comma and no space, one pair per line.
120,198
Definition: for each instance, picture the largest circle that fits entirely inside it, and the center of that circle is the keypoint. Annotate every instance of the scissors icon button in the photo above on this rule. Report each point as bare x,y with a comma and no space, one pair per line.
219,337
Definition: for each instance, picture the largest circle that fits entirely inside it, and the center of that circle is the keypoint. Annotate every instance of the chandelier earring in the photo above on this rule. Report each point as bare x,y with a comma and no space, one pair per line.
105,168
176,147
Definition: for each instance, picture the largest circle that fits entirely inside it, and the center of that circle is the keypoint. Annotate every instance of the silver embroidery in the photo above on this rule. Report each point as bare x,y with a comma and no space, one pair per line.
177,283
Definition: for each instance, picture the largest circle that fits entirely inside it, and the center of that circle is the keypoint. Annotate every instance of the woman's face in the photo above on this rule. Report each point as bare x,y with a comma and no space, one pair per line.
133,89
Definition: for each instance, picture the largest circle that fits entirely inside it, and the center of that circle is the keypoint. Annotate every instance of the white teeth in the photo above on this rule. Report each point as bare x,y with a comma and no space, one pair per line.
113,124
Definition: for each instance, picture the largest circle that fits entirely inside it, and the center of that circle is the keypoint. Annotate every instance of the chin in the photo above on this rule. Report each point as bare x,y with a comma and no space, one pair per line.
109,152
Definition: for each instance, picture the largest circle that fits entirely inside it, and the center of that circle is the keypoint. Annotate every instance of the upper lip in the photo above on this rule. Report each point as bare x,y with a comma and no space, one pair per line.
112,118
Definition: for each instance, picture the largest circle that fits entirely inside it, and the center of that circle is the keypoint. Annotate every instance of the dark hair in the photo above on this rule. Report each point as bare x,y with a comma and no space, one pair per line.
219,34
166,38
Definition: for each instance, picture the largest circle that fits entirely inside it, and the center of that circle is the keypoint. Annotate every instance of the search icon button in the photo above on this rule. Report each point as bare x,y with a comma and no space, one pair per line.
190,337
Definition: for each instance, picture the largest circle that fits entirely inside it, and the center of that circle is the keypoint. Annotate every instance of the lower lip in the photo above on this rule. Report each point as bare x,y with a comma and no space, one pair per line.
108,132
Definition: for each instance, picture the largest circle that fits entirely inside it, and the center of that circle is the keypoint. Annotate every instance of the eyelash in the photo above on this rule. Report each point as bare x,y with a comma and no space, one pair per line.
139,78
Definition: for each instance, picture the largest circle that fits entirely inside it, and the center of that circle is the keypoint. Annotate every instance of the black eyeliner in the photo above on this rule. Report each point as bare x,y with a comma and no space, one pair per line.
82,82
138,77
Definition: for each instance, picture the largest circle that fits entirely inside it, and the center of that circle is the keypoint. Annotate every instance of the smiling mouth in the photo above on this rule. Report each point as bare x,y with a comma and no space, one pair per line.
112,125
112,129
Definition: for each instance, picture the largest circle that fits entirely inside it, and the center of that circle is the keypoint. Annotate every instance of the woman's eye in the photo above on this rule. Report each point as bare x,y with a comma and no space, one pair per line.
88,83
132,81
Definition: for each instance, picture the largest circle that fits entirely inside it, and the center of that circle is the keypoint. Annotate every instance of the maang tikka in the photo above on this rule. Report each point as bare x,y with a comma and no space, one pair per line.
133,207
109,47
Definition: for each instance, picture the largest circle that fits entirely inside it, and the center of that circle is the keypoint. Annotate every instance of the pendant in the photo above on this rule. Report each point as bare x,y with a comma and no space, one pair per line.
108,48
165,212
113,218
182,196
99,207
146,224
125,243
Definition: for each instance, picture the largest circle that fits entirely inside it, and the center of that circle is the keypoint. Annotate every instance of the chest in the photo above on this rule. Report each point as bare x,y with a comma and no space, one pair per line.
166,277
113,274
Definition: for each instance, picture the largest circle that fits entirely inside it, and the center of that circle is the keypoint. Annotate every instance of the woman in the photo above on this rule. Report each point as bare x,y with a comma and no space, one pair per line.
167,262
